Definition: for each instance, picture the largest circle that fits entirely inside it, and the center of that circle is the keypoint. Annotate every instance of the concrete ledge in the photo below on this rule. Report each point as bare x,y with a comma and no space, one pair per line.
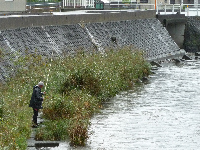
39,144
171,16
178,55
12,22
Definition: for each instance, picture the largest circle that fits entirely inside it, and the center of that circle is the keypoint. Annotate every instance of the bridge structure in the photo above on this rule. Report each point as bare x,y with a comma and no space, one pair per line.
175,25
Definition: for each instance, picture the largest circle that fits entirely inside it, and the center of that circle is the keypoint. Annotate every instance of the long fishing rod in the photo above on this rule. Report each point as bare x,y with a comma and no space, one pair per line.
47,77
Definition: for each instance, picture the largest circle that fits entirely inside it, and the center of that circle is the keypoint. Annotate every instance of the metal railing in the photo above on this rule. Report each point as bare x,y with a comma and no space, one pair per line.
187,9
43,6
169,8
133,6
163,9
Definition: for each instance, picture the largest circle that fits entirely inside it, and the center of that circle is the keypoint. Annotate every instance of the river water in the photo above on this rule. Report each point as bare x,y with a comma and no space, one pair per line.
163,113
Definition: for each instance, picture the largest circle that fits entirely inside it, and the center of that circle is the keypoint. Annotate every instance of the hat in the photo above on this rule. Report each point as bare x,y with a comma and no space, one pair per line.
41,83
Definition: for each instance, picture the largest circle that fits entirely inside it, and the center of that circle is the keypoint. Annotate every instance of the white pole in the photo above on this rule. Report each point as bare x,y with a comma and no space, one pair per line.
118,3
156,8
131,3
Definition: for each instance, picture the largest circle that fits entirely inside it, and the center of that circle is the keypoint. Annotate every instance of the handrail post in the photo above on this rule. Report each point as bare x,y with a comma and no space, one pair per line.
157,9
173,9
118,4
165,9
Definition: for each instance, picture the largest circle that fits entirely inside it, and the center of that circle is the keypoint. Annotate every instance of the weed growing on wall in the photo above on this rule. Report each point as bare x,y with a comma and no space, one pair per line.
76,88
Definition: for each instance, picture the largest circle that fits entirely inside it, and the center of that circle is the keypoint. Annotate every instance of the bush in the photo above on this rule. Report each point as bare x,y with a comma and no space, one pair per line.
89,80
53,130
75,86
78,130
77,108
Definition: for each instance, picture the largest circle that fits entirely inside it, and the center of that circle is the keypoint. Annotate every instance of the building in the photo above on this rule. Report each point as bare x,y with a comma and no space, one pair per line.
12,5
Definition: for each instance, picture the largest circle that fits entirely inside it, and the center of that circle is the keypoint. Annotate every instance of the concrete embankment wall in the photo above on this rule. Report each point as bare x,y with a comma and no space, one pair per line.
192,34
27,20
175,25
148,34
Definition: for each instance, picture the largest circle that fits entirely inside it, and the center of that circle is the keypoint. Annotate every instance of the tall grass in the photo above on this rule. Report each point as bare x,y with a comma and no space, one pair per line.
76,88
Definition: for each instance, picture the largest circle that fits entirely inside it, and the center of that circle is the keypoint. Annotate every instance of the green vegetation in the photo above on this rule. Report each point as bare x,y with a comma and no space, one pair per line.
76,88
16,115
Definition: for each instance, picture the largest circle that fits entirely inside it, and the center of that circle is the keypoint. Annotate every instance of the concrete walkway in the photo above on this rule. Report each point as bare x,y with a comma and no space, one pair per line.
32,144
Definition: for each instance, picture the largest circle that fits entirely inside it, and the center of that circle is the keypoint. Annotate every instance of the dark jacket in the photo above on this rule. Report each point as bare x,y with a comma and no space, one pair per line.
36,98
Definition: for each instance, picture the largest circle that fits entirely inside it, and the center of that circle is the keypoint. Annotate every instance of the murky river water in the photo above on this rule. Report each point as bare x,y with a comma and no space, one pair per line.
161,114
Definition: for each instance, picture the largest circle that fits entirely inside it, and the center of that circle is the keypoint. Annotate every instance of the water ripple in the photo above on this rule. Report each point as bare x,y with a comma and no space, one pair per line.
163,114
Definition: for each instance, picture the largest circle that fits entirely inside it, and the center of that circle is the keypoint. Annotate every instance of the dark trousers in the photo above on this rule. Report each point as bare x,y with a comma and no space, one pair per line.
35,114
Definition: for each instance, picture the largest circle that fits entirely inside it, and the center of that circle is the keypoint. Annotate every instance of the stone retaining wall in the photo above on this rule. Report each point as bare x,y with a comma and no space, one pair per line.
146,34
192,35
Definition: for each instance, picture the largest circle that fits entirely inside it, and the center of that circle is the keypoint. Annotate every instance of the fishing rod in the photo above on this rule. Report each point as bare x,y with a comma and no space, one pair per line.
47,77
